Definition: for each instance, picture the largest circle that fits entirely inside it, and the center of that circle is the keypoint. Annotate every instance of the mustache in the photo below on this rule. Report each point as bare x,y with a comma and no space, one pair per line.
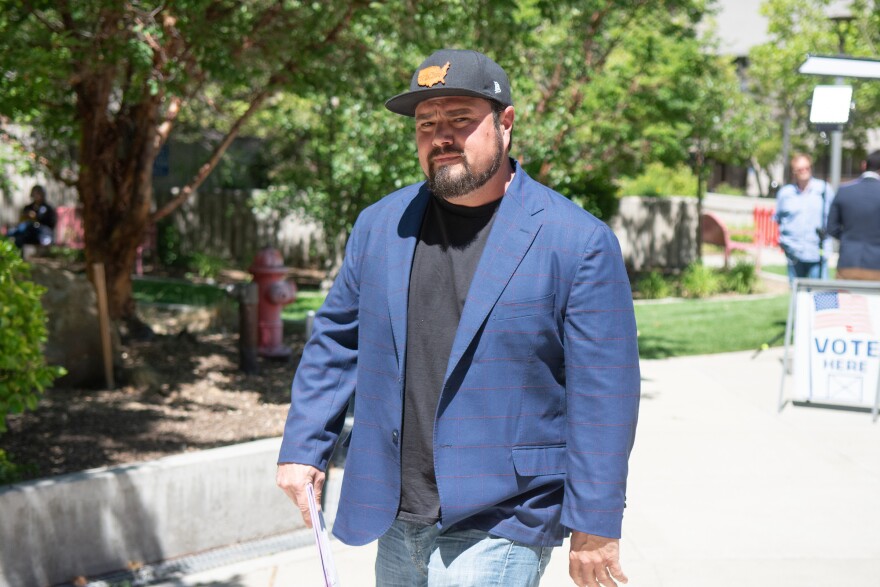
438,152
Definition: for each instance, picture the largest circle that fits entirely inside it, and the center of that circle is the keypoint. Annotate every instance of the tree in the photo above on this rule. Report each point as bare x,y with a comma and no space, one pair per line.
601,88
13,161
332,154
609,91
726,125
801,27
103,83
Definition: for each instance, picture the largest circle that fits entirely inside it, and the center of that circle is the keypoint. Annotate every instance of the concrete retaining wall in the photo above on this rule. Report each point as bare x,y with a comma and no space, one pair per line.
99,521
656,233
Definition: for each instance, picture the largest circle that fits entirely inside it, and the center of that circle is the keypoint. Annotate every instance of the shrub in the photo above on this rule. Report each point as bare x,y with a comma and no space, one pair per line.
11,472
699,281
727,189
658,180
207,266
169,245
742,278
596,195
654,286
23,370
741,237
67,254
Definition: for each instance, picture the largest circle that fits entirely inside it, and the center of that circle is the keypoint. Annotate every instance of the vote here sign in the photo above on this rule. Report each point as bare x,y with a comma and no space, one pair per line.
837,346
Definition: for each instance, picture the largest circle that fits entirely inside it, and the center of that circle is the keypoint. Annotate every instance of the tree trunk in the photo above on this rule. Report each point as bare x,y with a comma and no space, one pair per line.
700,164
786,147
115,187
113,239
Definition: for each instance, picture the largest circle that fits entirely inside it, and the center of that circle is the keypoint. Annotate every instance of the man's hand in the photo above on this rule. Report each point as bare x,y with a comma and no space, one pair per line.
594,560
293,478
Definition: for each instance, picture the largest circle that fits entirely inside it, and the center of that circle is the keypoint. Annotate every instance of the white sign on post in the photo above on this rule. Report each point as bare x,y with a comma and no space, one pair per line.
836,343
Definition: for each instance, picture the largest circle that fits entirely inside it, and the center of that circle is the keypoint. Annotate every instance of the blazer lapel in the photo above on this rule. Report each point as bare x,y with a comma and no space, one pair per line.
513,231
400,247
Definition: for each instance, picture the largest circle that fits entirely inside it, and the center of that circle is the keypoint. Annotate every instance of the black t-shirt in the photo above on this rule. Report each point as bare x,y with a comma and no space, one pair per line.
450,245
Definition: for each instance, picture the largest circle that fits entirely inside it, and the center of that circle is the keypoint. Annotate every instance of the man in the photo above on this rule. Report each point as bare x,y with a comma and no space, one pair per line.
854,219
801,212
37,222
486,324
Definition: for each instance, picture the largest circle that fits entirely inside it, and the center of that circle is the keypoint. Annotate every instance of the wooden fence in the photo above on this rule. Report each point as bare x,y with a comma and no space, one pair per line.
223,223
218,223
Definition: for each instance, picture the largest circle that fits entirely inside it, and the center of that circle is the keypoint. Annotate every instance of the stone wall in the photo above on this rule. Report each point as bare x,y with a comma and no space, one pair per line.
73,335
657,232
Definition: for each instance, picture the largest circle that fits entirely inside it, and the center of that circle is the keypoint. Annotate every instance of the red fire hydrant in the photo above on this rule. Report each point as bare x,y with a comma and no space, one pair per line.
268,270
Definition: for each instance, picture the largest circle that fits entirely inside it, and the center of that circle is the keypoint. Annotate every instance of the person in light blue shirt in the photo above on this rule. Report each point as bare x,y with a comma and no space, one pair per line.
802,213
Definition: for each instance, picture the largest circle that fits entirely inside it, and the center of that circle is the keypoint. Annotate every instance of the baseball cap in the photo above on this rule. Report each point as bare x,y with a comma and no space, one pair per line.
453,72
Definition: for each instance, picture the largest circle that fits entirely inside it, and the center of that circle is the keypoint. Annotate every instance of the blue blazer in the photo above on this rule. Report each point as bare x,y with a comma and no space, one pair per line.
854,219
538,410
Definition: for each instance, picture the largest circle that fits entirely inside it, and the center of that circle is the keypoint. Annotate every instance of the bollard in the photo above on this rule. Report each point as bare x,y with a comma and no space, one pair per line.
247,329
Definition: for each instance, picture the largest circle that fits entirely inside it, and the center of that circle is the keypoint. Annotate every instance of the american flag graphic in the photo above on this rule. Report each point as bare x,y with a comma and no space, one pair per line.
837,309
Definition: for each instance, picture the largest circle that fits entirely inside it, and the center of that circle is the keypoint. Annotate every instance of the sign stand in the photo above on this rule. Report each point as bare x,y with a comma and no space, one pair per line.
832,344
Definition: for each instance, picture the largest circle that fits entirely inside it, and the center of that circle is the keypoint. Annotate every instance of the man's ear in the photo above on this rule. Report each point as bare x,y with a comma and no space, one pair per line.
507,118
506,121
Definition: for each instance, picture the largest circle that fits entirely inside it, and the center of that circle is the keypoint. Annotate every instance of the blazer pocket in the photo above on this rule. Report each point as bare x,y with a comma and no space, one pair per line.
527,307
532,461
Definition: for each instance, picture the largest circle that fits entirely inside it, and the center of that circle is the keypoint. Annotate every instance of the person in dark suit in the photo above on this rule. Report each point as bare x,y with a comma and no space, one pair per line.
484,325
854,219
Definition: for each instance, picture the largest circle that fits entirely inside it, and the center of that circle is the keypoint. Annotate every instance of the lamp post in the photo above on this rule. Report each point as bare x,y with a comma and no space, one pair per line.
841,23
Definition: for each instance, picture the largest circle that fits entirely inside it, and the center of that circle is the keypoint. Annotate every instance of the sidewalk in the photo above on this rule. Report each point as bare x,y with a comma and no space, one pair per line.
723,491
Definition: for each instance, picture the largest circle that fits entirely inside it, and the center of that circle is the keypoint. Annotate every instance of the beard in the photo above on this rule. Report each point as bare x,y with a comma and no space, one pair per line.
446,184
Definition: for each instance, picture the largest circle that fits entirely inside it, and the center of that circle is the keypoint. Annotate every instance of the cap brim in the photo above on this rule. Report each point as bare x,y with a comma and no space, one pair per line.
406,102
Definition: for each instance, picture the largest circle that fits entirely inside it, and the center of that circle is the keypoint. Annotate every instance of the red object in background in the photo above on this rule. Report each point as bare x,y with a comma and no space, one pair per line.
766,229
274,293
69,231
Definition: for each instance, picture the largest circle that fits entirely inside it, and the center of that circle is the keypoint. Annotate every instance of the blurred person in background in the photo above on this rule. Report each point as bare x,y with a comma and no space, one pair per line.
37,221
854,219
802,212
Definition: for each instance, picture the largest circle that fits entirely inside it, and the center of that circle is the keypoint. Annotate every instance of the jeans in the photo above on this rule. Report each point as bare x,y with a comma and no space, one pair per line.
28,234
809,270
413,555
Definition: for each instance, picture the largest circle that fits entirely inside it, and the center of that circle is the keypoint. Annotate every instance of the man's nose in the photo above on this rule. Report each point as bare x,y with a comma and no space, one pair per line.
442,134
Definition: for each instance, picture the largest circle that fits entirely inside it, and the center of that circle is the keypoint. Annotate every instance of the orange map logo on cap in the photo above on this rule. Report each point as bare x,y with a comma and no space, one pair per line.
433,75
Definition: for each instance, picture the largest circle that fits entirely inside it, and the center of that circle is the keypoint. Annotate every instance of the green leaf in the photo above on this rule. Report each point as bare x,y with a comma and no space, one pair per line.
23,370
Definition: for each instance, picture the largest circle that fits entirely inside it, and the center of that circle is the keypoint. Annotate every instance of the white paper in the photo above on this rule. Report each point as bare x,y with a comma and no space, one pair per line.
322,540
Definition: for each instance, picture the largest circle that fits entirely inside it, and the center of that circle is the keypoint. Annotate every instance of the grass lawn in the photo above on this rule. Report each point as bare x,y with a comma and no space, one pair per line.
666,329
687,327
305,300
179,291
176,291
697,327
775,269
783,270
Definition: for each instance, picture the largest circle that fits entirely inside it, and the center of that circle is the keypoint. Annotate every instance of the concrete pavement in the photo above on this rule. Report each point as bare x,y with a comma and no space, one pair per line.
723,491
